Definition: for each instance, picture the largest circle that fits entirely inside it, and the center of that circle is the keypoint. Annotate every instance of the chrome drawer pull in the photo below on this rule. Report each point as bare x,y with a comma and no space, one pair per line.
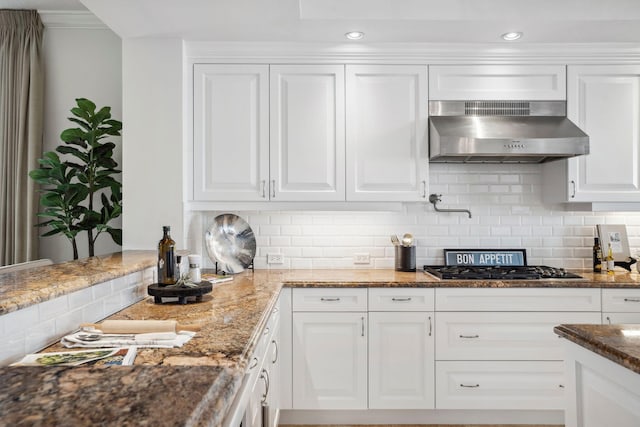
275,357
329,299
362,318
430,326
470,386
401,299
254,363
469,336
266,331
561,385
632,300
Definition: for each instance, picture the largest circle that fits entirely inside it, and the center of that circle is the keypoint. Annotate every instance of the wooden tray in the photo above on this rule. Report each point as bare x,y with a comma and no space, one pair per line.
163,291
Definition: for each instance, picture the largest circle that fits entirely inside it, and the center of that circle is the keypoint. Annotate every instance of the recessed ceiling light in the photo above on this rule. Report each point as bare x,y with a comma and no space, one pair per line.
354,35
512,36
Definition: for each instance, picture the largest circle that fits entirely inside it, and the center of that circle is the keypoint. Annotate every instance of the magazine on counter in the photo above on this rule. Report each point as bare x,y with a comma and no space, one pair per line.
98,357
217,278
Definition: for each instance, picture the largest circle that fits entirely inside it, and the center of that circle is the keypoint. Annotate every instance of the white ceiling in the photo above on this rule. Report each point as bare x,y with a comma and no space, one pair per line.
456,21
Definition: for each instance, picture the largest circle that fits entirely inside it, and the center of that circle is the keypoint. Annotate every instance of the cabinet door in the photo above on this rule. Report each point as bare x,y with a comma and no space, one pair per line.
307,133
401,360
387,147
231,132
329,361
497,82
604,101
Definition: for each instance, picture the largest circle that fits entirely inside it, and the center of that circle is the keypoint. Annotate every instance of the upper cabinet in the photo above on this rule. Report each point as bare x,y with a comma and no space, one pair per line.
307,133
231,132
604,101
387,146
282,133
497,82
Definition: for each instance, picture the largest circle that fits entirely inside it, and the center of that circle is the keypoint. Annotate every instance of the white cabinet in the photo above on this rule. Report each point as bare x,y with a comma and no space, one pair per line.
601,392
307,133
231,132
604,101
620,306
401,360
329,360
500,385
496,349
497,82
387,148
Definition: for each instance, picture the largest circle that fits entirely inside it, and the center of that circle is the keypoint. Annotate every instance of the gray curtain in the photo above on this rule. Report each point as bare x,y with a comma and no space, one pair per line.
21,131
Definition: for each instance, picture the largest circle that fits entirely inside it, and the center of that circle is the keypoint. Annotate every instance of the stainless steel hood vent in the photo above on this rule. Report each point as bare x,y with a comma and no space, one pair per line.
502,132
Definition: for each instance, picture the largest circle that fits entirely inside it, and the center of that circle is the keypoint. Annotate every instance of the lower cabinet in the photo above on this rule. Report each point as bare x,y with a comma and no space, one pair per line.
330,360
601,392
401,360
620,306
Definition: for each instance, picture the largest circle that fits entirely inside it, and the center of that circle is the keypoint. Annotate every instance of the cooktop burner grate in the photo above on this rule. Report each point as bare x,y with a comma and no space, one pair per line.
531,272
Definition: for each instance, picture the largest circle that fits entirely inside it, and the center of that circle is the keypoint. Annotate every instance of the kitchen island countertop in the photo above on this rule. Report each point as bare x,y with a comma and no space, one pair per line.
618,343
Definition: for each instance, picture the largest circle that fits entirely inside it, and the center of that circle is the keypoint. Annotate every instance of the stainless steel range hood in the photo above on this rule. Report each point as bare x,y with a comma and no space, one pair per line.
502,132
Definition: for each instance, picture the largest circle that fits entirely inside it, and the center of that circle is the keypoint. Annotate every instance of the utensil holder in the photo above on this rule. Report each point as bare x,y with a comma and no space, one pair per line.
405,258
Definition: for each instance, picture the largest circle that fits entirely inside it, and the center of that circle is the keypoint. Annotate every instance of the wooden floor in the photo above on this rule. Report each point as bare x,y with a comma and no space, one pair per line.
422,425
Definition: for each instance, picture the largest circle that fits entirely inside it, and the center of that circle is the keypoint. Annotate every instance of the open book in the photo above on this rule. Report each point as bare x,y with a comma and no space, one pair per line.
97,357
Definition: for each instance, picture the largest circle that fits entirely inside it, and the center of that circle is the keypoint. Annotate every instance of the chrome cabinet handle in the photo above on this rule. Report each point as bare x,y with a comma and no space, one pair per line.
266,331
264,184
573,186
561,385
329,299
632,300
265,376
273,188
362,332
254,363
430,326
608,319
401,299
470,386
469,336
275,357
424,189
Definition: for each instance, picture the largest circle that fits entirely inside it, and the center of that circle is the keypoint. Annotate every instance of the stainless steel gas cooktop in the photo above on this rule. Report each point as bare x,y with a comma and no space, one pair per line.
493,264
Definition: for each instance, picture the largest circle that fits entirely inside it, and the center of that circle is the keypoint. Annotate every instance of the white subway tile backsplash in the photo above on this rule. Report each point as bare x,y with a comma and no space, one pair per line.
52,308
506,202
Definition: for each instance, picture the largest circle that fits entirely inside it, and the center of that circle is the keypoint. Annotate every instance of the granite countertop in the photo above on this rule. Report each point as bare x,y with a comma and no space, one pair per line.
618,343
23,288
206,373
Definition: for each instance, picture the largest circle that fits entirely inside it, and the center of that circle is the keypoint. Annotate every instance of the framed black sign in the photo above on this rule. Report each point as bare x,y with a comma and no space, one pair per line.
485,257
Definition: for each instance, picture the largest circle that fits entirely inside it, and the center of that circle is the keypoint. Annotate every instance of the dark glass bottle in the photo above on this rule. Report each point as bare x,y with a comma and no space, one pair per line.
597,256
167,273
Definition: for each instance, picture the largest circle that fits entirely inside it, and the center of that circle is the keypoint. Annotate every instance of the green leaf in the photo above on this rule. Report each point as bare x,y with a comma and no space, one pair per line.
116,235
82,123
86,105
74,152
73,135
51,199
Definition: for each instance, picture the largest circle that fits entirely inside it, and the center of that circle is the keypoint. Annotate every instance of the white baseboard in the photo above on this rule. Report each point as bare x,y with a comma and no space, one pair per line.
440,416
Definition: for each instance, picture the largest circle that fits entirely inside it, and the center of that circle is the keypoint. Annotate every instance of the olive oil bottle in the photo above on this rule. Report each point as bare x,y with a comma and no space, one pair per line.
597,256
610,261
167,272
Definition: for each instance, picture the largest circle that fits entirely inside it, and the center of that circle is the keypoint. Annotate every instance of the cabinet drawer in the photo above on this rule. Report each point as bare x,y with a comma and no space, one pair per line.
517,299
401,299
621,300
329,299
503,336
609,318
500,385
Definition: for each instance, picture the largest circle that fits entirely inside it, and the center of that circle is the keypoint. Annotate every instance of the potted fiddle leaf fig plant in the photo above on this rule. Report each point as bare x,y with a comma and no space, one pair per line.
70,185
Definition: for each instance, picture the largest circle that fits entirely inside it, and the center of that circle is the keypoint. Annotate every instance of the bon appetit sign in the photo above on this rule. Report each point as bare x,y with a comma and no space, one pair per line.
485,257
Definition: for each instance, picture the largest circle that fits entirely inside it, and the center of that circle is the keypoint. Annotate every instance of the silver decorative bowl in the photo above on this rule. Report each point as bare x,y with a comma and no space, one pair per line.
230,243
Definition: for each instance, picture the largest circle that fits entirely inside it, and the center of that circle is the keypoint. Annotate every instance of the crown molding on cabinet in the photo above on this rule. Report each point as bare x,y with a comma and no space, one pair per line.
413,53
71,19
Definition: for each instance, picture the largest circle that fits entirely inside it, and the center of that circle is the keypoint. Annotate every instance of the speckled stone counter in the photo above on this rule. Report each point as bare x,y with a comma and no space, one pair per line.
618,343
124,396
209,369
23,288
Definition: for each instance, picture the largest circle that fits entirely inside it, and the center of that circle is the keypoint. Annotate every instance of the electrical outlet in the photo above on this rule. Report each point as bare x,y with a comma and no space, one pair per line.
275,259
361,258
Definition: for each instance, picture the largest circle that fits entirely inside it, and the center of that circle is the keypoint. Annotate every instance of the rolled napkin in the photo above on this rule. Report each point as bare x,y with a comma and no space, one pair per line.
139,326
94,338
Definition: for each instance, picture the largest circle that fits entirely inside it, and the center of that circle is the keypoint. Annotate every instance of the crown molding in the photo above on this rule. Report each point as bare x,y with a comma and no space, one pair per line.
414,53
71,19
